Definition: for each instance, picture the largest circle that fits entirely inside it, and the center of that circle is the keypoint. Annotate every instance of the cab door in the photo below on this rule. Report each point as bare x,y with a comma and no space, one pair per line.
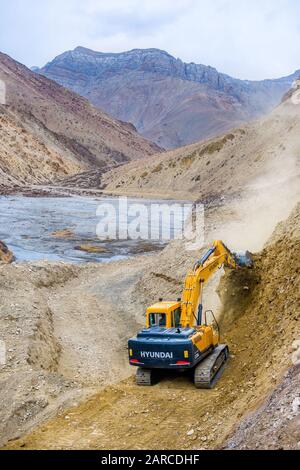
175,318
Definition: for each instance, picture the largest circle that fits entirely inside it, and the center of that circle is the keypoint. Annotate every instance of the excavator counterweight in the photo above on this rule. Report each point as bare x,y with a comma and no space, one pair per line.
177,335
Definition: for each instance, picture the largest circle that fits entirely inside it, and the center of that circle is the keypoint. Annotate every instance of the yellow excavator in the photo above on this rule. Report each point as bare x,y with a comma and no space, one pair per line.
178,335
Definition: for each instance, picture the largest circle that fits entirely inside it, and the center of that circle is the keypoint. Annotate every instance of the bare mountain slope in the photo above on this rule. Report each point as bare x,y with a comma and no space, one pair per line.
48,131
265,152
26,157
169,101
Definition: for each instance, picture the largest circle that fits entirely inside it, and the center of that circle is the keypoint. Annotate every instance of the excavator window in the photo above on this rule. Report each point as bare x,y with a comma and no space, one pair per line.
176,318
158,319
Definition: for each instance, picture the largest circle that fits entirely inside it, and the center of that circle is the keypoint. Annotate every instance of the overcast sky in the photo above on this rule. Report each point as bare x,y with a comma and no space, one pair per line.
251,39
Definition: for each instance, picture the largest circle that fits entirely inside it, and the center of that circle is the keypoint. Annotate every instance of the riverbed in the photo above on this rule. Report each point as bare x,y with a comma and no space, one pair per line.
29,226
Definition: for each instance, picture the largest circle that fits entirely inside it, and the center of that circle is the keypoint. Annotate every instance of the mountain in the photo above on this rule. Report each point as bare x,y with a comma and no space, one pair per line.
169,102
265,152
47,131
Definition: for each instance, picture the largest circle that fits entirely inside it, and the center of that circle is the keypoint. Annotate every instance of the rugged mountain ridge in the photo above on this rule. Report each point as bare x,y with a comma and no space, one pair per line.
47,131
170,102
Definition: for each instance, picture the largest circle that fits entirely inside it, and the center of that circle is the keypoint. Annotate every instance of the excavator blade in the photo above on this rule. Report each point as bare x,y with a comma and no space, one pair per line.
244,260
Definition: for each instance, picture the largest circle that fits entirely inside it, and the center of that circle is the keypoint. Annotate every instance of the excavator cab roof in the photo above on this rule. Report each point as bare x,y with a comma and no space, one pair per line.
164,315
163,307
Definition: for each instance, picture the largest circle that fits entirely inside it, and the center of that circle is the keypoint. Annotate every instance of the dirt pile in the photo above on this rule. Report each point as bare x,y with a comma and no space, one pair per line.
29,380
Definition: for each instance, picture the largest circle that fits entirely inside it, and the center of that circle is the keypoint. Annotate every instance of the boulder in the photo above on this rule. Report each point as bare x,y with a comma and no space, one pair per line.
6,256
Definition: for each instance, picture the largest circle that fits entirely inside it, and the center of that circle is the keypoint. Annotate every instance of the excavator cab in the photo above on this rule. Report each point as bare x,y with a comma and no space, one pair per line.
164,315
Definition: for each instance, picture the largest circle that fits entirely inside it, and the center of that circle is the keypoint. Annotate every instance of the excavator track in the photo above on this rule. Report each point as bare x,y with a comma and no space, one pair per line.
144,377
210,370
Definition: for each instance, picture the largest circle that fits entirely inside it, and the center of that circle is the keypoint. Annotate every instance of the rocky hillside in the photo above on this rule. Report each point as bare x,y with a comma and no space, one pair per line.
31,157
168,101
47,131
265,152
273,313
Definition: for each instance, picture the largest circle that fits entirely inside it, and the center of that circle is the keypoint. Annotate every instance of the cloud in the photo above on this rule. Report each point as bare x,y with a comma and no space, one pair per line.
133,21
248,39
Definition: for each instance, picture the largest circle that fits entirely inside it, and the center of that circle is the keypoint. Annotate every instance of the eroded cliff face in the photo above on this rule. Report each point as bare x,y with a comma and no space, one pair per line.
170,102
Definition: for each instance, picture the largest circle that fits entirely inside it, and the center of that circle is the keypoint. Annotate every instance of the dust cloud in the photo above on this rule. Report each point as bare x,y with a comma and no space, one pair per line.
265,202
248,222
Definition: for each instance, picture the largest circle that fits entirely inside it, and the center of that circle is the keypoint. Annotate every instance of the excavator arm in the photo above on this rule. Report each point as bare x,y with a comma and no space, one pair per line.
216,257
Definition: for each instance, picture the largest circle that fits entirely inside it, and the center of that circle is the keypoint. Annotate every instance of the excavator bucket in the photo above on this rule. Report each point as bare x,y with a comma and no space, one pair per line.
244,260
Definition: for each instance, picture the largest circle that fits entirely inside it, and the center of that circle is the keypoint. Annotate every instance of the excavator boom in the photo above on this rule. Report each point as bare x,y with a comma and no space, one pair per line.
216,257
